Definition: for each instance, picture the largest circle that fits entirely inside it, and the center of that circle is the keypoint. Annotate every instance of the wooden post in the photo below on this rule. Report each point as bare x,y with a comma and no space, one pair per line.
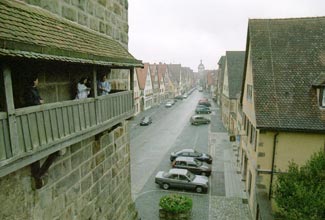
95,82
97,101
14,149
132,85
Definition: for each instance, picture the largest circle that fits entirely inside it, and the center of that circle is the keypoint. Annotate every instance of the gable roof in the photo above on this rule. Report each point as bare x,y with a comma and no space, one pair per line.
175,72
287,56
162,67
142,75
34,33
235,66
221,71
153,71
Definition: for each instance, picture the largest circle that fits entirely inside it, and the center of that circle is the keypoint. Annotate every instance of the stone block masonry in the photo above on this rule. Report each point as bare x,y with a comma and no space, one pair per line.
91,181
106,17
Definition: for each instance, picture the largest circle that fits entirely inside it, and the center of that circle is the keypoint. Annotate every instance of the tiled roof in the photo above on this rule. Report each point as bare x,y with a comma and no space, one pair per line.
142,75
175,72
31,32
287,56
153,71
221,70
320,80
235,65
161,70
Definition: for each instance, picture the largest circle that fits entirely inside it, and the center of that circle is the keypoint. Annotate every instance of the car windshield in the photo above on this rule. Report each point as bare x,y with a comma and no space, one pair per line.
190,175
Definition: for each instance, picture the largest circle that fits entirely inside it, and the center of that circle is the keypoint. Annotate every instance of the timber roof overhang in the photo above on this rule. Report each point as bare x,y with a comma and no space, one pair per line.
288,59
34,33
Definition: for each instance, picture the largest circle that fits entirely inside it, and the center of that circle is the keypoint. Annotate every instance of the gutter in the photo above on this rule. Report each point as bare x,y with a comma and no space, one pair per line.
272,166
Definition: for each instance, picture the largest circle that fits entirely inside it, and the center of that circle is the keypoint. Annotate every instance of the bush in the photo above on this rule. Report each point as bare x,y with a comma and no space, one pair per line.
175,203
300,193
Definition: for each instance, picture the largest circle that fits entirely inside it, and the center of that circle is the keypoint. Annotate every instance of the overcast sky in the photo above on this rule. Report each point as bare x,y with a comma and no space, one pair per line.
186,31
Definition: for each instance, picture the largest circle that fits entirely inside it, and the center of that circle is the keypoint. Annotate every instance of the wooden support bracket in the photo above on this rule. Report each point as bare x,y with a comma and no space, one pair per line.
38,171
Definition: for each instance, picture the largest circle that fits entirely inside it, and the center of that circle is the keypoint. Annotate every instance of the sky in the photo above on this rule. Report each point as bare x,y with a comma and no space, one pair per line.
187,31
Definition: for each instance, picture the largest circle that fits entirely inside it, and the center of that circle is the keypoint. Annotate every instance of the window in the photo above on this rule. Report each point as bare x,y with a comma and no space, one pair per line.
249,94
322,97
183,178
252,136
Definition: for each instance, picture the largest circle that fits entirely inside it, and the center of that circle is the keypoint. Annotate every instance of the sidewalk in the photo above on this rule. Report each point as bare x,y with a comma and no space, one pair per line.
228,201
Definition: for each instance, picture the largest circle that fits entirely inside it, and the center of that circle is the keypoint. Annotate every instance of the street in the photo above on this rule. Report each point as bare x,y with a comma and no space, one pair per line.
171,131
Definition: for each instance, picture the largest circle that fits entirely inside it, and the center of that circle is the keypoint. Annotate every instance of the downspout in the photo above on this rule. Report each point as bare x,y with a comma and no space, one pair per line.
272,166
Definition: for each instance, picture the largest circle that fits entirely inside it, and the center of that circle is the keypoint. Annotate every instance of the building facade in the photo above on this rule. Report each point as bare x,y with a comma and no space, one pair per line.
67,158
282,108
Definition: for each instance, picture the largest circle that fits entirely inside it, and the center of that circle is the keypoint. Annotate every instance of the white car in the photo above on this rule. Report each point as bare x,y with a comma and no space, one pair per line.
169,103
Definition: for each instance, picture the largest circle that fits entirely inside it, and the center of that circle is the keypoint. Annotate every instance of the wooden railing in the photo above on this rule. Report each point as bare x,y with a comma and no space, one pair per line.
40,127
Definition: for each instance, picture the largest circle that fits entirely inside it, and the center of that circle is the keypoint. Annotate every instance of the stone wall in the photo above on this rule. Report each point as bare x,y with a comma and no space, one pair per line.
90,181
108,17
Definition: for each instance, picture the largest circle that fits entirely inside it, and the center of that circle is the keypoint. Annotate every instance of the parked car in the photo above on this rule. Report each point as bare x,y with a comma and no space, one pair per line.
146,121
191,153
198,119
185,96
205,103
179,97
169,103
202,110
182,179
193,165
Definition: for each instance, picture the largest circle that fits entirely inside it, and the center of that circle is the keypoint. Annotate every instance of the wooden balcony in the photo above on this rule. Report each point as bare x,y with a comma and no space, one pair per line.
35,132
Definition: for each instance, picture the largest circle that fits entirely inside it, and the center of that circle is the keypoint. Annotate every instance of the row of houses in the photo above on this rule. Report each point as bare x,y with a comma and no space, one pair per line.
155,83
272,98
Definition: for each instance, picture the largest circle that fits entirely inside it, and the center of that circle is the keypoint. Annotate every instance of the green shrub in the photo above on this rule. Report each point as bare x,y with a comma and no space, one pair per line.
175,203
300,193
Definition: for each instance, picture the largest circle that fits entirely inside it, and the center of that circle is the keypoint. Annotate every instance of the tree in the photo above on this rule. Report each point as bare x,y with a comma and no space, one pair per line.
300,193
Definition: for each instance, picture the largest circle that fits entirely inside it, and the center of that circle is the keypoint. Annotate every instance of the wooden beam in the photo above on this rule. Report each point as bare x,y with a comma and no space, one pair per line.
95,82
132,84
13,150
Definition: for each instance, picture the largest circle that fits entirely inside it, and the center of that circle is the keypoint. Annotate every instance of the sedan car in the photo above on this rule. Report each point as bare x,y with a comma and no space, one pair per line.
202,110
193,165
146,121
206,103
197,120
169,103
182,179
191,153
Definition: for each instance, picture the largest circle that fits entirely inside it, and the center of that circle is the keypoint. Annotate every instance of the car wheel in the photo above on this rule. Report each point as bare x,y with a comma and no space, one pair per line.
199,189
165,186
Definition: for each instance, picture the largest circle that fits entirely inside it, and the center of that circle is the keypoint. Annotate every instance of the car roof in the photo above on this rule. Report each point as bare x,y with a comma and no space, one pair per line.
198,116
178,171
186,150
191,159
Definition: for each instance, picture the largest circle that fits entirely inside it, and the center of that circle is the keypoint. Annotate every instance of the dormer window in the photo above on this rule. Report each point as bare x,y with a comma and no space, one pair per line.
319,84
322,97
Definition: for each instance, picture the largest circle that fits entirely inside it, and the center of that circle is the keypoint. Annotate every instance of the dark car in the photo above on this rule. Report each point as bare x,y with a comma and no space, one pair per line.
191,153
197,120
202,110
146,120
205,103
179,97
193,165
182,179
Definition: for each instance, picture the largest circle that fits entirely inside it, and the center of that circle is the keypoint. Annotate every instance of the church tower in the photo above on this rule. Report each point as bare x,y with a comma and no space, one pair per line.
201,68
